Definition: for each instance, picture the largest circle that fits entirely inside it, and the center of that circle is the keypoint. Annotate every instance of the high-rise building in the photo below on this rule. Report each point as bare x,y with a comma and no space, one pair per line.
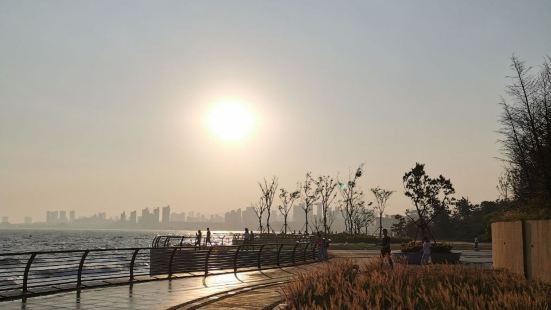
298,214
166,215
145,216
178,217
63,217
319,211
249,217
133,217
156,213
123,217
72,216
52,217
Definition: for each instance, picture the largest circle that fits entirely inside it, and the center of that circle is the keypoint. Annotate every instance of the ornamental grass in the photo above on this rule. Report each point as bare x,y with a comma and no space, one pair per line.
343,285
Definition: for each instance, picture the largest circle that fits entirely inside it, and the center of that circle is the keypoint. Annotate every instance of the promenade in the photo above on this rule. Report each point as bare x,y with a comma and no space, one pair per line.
248,290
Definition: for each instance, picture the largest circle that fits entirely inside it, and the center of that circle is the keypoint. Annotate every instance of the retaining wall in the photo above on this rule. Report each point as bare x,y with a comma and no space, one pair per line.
523,247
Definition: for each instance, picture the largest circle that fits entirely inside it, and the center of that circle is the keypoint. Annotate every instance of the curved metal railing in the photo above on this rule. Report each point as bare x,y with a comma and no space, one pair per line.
28,274
189,240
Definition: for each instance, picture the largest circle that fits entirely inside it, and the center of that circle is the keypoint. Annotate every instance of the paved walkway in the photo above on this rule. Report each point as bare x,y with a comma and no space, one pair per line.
161,294
165,294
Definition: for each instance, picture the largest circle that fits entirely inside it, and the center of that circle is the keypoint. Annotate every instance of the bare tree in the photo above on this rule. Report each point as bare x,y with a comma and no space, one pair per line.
326,187
381,198
363,217
287,201
505,185
351,199
268,190
309,194
526,131
259,209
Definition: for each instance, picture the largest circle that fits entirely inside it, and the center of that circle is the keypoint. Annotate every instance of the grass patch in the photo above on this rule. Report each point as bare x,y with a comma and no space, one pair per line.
343,285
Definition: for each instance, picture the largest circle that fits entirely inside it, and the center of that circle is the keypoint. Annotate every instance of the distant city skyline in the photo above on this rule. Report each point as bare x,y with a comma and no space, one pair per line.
162,218
122,105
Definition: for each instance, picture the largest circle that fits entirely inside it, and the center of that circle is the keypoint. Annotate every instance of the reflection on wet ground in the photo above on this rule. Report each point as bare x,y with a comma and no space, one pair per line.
154,295
165,294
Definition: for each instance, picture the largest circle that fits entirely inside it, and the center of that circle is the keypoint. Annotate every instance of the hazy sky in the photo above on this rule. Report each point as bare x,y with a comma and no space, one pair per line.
102,102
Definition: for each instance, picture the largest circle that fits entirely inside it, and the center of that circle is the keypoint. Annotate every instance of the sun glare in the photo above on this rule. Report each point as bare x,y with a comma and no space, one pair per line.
230,120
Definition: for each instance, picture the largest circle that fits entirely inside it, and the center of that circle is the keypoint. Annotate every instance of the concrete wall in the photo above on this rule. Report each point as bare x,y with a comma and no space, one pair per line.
507,246
538,249
527,253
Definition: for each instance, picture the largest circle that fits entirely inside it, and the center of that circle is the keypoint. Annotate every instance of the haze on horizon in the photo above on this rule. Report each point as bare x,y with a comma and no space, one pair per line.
103,104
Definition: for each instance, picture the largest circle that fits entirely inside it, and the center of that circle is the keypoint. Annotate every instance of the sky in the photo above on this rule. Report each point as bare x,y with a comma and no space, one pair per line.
102,103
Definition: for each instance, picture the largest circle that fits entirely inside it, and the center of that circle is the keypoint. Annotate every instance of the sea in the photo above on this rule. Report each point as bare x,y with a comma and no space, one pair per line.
27,240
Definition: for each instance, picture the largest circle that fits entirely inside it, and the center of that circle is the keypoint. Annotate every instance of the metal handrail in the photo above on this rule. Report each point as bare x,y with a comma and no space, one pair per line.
27,274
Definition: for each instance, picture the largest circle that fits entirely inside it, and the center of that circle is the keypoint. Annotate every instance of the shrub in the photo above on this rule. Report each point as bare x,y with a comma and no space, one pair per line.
413,246
344,237
343,285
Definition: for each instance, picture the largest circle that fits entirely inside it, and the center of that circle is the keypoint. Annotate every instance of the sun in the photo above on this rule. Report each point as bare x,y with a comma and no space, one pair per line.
230,120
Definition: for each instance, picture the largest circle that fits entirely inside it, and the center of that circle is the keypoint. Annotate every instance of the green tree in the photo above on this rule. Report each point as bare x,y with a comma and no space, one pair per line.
430,197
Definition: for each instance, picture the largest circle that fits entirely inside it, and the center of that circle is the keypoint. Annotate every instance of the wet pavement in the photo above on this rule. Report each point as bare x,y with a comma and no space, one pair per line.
165,294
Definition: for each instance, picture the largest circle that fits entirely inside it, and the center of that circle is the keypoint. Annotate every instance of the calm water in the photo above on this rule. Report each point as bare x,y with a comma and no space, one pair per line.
41,240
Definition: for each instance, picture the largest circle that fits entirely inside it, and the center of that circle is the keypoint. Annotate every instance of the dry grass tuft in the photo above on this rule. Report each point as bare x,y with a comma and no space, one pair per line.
343,285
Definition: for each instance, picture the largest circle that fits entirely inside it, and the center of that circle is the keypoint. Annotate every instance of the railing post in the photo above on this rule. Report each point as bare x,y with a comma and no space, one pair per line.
170,271
26,274
314,252
278,254
80,267
294,251
259,256
305,249
235,259
207,262
132,264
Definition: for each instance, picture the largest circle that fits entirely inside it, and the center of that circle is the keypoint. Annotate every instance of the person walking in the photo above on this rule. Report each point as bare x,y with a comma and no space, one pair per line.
198,236
207,240
385,249
425,258
476,243
319,245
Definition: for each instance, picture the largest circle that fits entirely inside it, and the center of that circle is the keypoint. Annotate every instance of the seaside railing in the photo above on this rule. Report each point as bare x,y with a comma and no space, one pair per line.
30,274
224,239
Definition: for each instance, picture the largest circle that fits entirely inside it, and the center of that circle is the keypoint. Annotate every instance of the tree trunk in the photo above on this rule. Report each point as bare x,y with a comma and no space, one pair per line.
306,219
380,225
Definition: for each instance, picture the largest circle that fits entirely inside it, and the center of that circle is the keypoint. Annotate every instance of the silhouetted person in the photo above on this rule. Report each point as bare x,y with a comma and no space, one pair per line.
198,236
476,243
251,237
385,249
320,245
425,258
207,241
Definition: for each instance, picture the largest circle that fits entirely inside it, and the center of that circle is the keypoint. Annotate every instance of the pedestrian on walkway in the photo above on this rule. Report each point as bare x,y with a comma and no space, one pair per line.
476,243
426,257
207,240
320,245
385,249
198,236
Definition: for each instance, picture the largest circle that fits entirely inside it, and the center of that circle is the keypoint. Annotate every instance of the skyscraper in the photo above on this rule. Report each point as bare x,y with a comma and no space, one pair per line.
133,217
63,217
156,213
166,215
